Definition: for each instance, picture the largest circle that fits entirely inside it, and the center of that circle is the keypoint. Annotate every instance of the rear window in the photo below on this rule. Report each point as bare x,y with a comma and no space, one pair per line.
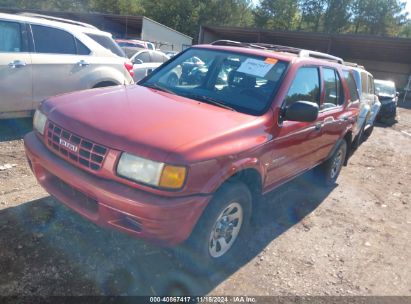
108,43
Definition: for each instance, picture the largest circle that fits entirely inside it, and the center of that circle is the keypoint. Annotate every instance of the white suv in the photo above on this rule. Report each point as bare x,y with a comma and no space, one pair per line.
41,56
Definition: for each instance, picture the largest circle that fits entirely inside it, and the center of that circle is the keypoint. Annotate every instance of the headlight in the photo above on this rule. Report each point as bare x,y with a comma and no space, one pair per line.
39,122
151,172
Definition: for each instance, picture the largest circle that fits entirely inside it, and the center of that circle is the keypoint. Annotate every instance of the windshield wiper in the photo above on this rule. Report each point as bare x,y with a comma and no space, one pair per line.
210,100
158,87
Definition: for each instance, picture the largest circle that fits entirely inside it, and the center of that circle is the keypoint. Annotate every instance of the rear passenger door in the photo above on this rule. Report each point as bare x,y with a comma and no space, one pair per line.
331,111
60,62
15,68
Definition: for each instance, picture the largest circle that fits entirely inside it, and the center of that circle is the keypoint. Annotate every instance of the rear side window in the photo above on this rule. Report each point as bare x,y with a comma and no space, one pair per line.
305,87
52,41
144,57
351,85
333,89
370,85
158,57
108,43
10,37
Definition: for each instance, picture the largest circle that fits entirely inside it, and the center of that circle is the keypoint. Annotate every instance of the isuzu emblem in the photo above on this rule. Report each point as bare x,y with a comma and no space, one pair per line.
68,145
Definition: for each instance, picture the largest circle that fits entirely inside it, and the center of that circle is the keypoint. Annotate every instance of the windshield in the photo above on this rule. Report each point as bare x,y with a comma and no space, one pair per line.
385,89
230,80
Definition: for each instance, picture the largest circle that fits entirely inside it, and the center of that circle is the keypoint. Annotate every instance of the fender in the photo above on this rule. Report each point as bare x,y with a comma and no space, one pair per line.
231,170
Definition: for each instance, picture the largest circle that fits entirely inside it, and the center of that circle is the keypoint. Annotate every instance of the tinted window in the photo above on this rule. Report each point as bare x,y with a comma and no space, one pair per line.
52,41
351,85
81,48
108,43
333,89
144,57
10,34
305,87
370,85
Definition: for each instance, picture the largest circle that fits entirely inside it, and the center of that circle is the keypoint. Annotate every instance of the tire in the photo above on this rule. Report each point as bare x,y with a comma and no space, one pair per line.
360,137
367,133
328,172
215,244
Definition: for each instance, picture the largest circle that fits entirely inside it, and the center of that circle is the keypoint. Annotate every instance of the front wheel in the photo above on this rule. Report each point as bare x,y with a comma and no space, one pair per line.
215,243
328,172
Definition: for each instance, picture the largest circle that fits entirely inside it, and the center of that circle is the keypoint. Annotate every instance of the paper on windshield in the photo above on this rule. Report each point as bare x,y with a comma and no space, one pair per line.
255,67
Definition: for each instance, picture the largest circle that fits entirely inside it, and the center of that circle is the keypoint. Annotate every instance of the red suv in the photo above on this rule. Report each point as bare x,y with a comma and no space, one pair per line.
185,161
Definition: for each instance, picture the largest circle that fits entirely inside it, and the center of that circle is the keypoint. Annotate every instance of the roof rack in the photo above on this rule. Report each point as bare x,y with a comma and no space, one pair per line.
280,48
353,64
51,18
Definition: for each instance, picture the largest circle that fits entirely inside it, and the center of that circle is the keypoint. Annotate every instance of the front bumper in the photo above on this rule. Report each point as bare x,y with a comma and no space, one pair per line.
162,220
388,110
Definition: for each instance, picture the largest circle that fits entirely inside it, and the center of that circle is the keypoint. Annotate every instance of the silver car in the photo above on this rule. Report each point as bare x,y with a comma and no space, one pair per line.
41,56
369,102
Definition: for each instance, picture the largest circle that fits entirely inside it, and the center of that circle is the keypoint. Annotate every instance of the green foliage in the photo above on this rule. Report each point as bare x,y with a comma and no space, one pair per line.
376,17
277,14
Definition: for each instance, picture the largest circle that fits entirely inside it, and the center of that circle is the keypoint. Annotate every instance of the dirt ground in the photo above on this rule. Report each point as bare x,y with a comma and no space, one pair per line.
353,239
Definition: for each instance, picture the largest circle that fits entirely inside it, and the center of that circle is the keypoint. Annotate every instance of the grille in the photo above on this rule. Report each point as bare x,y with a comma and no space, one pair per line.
75,148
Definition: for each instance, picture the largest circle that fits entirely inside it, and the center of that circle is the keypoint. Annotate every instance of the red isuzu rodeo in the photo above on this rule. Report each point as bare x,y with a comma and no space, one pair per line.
184,155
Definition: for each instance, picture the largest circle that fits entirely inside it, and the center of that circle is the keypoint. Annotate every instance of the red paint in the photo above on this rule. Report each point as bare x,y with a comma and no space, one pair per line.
212,142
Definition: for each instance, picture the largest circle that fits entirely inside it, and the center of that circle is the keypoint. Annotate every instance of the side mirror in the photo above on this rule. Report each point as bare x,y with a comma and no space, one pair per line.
301,111
397,94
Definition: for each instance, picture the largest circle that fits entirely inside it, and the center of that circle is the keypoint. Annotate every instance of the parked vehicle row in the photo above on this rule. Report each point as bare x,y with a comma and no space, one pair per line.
132,46
41,57
184,163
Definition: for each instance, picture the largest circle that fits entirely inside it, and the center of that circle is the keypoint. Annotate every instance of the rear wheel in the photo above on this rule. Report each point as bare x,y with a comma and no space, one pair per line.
215,243
328,172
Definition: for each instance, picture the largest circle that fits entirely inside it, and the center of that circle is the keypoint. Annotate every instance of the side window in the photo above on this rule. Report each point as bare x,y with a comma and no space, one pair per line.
81,48
333,89
52,41
144,57
305,87
370,85
364,78
351,85
10,41
156,57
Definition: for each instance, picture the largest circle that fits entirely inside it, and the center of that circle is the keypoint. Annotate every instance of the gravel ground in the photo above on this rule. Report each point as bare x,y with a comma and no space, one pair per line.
353,239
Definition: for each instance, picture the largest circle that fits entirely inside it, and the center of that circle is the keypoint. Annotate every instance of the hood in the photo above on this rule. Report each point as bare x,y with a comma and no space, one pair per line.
144,121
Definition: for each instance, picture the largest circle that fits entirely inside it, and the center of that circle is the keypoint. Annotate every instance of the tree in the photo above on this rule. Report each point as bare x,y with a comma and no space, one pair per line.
277,14
312,12
337,16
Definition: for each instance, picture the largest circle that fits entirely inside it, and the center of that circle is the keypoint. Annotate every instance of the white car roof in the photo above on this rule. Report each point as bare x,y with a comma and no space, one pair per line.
57,24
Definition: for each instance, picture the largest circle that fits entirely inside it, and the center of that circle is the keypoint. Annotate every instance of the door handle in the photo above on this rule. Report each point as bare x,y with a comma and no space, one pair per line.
82,63
17,64
318,126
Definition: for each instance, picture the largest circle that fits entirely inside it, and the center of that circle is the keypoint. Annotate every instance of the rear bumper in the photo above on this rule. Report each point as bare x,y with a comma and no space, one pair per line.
162,220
